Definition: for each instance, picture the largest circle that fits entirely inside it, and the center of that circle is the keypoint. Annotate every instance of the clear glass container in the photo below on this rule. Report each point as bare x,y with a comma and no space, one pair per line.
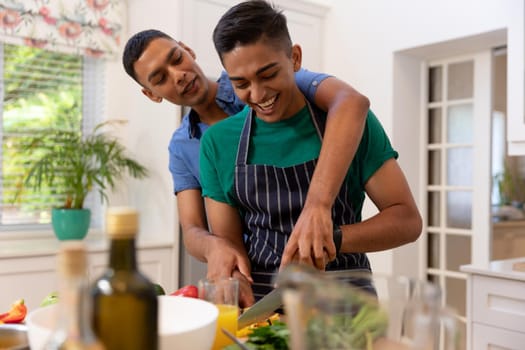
356,310
73,327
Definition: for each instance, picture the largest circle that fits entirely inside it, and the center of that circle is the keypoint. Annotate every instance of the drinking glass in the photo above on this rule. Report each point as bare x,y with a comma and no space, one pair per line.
224,293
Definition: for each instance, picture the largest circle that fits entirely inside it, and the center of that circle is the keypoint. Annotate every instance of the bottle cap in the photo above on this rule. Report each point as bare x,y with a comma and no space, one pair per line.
72,258
122,222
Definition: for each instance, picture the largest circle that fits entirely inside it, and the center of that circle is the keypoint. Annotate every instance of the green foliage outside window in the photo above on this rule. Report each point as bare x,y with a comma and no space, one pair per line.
42,90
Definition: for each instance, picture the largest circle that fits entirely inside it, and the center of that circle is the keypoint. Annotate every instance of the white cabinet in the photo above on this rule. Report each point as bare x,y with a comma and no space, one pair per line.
495,306
487,337
305,23
516,81
31,274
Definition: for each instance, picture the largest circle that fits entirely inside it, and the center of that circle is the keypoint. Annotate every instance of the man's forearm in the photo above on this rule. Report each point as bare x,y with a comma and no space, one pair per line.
311,240
390,228
196,241
343,133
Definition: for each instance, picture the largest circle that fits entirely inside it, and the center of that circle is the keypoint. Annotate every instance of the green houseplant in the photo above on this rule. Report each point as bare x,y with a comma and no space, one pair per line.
72,164
511,186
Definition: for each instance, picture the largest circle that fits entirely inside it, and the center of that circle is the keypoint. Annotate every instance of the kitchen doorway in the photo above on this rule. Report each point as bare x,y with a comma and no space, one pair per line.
508,175
445,89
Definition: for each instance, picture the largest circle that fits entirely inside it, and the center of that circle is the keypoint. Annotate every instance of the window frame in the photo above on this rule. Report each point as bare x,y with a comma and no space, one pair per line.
93,106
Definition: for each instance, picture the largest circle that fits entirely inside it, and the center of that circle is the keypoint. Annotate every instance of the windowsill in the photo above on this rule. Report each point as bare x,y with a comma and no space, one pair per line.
23,244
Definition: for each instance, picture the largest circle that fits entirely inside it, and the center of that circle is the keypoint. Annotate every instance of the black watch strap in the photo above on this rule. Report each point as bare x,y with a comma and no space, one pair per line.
338,238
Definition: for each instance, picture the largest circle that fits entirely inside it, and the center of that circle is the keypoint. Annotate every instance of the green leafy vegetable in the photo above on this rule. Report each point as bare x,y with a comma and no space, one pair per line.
271,337
345,331
354,330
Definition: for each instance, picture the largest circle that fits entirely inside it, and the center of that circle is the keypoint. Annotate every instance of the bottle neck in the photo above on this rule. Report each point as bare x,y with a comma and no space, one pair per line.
122,254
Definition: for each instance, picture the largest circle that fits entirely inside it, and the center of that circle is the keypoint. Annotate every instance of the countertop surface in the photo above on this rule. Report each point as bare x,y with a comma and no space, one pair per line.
498,268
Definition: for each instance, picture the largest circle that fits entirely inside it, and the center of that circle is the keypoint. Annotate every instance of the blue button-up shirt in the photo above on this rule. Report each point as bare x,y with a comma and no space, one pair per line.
185,141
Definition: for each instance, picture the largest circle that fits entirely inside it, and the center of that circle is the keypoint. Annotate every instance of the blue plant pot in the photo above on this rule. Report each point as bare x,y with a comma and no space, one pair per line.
69,224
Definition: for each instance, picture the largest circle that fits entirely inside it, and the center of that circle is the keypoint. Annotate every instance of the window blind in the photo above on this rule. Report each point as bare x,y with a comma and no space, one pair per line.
40,90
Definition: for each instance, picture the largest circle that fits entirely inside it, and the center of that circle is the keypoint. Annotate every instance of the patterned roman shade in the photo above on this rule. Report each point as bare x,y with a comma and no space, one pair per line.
86,27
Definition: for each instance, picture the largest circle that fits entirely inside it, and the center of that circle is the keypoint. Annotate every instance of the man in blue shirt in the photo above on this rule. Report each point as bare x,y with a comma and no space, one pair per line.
167,69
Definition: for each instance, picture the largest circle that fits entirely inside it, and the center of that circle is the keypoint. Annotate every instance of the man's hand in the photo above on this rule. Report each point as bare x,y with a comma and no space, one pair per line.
311,241
246,297
223,258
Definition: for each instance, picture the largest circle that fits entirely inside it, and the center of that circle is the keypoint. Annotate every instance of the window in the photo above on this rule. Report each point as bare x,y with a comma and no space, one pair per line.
41,89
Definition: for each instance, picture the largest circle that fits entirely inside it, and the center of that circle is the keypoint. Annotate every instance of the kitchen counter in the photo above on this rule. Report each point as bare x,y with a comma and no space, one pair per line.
498,269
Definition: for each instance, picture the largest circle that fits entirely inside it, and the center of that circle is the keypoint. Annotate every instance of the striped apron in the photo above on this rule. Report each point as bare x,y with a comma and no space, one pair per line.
272,199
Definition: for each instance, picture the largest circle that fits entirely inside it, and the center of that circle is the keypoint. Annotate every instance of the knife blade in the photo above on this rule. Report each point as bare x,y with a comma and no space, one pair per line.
262,309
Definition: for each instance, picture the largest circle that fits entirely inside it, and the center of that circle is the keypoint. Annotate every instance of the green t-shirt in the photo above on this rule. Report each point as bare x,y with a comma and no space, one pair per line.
283,144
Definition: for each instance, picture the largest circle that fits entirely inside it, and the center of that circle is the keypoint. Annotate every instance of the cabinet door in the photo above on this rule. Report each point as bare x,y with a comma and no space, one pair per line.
34,277
30,278
493,338
305,23
516,82
156,263
498,302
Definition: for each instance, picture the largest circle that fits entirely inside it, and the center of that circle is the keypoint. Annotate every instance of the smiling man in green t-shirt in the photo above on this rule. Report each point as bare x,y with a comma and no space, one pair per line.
256,166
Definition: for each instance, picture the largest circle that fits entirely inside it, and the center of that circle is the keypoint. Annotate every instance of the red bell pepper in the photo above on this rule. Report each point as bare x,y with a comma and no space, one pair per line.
17,313
190,291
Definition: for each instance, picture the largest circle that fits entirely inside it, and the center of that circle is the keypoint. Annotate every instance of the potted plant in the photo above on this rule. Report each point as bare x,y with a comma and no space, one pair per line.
73,164
511,186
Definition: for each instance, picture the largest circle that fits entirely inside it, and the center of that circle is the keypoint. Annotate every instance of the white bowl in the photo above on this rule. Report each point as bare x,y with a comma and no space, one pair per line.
40,322
184,323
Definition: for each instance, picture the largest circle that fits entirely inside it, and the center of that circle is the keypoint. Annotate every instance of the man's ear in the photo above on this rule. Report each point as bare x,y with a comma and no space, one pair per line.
297,56
151,95
187,48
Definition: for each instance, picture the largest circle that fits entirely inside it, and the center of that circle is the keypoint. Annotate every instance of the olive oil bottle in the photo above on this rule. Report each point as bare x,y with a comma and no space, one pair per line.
124,300
73,327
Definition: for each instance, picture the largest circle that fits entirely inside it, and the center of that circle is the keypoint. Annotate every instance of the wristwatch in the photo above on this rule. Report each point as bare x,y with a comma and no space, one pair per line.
338,238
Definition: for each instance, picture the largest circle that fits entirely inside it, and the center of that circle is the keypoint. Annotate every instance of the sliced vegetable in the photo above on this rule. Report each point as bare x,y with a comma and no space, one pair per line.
190,291
17,313
50,299
246,331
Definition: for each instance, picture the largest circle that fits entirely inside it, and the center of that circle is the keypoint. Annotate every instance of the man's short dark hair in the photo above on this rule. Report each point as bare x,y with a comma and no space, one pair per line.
249,21
136,46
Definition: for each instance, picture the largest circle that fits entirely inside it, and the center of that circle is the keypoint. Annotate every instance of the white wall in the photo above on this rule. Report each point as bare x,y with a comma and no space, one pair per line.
374,33
149,129
361,39
374,30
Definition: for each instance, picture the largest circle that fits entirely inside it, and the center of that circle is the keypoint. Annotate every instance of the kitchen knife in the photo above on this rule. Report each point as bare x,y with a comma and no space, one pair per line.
262,309
266,307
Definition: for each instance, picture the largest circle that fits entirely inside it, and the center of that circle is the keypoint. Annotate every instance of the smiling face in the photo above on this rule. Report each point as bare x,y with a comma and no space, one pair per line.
262,76
167,70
